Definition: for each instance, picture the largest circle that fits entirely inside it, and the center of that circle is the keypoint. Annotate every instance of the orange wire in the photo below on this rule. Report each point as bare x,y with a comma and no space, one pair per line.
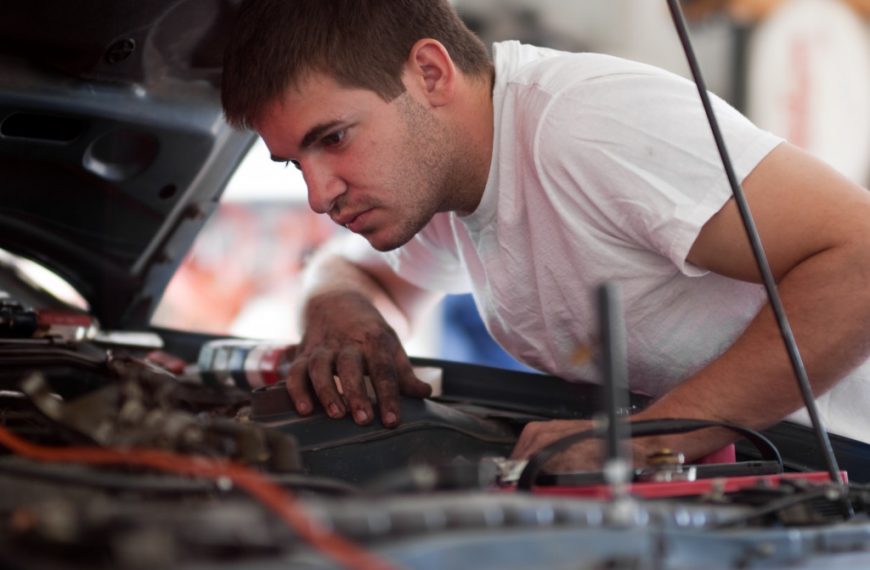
270,495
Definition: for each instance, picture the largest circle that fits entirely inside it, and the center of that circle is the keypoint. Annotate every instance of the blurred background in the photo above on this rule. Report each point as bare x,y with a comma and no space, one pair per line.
799,68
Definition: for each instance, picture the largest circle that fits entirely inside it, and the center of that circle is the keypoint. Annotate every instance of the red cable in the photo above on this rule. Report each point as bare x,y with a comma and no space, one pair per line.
270,495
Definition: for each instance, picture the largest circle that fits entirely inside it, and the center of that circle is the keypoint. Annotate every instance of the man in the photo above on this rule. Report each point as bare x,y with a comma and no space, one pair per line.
529,181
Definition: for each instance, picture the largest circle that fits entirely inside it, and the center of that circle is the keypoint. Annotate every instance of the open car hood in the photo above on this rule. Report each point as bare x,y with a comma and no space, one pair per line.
113,148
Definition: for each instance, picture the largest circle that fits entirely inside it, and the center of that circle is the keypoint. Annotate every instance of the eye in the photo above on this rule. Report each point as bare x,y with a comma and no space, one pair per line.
334,139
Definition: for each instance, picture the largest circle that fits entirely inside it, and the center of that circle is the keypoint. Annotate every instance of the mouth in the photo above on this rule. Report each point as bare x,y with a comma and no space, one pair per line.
353,222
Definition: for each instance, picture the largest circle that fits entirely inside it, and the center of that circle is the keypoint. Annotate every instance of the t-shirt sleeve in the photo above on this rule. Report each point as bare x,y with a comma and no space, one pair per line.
431,259
638,150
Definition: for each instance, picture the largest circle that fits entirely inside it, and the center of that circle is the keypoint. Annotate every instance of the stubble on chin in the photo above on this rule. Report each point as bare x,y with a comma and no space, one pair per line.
389,239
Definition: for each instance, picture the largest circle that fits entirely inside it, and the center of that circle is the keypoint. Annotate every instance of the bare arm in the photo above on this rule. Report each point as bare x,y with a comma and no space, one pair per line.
350,315
815,227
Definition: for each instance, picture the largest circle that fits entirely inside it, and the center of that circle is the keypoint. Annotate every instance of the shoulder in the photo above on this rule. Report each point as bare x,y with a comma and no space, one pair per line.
584,95
521,66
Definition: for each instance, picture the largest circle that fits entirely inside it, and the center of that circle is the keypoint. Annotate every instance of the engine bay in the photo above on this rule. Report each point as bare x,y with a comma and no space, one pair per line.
113,460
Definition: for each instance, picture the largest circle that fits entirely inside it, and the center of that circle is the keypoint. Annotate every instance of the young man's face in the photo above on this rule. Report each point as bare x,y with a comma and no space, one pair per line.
380,169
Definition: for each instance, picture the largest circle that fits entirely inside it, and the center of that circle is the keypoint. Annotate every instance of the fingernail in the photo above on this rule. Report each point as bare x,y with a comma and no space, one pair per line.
303,408
333,410
361,416
390,418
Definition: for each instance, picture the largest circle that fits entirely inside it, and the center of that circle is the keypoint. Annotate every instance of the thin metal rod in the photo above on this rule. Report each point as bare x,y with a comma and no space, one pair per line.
613,368
757,249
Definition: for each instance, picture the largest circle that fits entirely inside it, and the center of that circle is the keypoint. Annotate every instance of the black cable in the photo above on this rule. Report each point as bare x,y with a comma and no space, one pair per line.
540,458
757,249
667,426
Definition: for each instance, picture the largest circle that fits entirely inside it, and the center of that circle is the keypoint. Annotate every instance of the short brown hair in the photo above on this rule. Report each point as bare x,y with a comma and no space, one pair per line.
360,43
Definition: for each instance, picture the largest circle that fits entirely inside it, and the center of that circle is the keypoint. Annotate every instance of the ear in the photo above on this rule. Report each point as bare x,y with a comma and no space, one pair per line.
430,71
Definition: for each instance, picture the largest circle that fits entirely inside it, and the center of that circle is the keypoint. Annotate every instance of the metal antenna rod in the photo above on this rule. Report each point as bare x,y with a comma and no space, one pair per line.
757,249
613,368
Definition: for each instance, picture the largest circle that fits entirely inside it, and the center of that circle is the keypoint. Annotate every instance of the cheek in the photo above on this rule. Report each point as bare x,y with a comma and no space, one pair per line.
364,157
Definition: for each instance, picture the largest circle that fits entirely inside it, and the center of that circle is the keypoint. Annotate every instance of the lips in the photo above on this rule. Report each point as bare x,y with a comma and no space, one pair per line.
353,222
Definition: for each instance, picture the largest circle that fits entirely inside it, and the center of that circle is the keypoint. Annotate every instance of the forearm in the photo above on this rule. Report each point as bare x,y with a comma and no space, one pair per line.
329,276
753,383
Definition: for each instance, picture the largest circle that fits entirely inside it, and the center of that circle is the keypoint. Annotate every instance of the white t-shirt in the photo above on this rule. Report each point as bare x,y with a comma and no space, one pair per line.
603,170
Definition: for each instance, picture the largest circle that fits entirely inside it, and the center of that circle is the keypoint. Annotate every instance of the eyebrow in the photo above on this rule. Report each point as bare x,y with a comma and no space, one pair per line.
311,136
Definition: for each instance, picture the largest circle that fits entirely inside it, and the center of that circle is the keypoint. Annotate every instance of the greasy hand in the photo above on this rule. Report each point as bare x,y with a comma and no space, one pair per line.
585,456
346,336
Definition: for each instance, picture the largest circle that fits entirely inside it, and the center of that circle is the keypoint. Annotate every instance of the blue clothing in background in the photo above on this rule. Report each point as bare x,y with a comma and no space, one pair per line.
464,338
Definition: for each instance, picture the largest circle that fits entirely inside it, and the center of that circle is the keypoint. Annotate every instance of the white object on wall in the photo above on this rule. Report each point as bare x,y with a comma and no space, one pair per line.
809,81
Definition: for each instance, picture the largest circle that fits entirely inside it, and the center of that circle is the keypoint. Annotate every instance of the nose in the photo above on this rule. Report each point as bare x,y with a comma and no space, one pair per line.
324,186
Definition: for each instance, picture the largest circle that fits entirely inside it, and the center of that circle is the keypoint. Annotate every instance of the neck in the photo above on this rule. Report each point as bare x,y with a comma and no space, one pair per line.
474,141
